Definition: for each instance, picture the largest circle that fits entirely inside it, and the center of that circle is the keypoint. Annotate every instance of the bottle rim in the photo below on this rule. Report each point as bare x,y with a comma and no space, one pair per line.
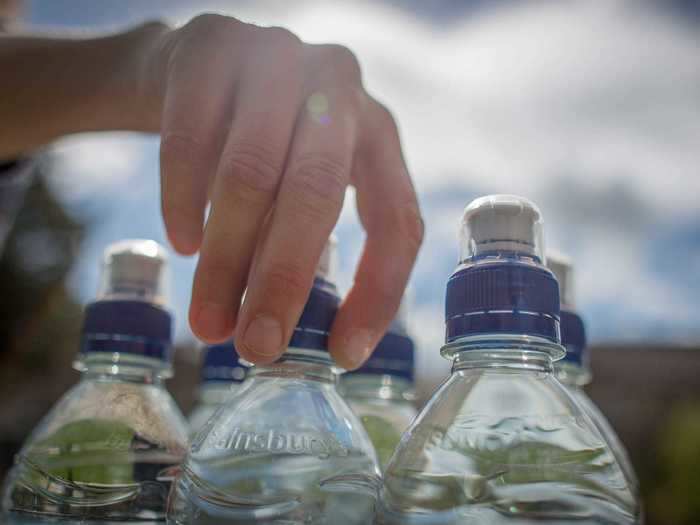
497,342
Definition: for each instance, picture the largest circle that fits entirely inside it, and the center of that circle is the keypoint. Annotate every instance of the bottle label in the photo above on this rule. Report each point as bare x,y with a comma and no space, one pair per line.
275,441
522,444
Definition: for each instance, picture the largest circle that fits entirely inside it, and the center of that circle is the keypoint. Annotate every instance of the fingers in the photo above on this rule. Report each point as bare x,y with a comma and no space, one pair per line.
389,211
271,132
307,208
195,117
247,179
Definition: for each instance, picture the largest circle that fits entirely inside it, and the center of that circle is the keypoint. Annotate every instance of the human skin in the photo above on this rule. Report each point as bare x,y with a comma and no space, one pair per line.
268,130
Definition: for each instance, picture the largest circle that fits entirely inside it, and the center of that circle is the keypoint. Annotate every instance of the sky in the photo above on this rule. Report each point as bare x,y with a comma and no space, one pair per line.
591,109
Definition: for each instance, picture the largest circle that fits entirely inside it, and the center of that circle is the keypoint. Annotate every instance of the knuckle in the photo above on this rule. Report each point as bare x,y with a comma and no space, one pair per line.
410,225
386,122
350,97
205,20
281,51
403,221
207,23
345,60
201,26
341,61
280,38
151,27
356,97
319,183
250,170
208,32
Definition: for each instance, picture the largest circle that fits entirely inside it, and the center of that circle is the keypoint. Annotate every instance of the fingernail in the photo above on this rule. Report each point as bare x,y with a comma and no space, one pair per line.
263,336
212,321
358,348
188,241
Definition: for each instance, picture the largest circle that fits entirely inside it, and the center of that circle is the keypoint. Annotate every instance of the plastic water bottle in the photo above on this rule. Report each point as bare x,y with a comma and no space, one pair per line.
574,369
222,373
285,448
108,450
502,441
381,392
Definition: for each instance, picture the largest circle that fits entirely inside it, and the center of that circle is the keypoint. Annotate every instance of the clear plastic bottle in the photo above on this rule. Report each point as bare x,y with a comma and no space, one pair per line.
574,370
381,392
502,441
108,450
222,374
285,448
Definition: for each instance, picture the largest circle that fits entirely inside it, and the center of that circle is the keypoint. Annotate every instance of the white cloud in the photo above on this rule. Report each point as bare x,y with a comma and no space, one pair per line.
96,165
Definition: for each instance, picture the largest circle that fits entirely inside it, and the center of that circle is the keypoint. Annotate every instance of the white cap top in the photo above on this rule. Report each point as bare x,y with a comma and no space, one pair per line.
501,223
328,263
563,270
135,270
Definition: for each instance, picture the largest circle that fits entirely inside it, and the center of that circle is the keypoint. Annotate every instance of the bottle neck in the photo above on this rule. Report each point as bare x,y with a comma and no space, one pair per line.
300,364
524,353
116,367
377,387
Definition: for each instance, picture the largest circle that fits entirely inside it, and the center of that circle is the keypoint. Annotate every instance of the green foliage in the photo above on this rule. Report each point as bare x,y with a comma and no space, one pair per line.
383,436
94,451
676,499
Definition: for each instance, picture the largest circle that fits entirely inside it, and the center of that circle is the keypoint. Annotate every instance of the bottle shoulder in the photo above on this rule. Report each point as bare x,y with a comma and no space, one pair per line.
282,448
95,408
119,443
306,411
492,394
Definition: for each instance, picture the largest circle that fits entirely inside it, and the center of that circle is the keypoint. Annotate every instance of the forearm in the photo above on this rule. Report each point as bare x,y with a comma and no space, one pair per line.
51,87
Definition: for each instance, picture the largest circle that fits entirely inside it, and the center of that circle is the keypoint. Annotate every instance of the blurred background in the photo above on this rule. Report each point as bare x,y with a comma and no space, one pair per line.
591,109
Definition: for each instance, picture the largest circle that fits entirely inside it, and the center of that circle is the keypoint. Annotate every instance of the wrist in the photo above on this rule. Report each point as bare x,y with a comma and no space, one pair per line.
129,96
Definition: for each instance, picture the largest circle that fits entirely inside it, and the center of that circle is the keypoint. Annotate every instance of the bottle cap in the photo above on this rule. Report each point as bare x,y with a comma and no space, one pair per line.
573,330
128,316
563,270
222,364
502,285
134,270
501,224
314,326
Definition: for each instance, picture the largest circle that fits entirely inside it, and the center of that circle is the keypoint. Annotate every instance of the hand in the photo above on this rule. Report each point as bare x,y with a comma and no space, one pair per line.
270,131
